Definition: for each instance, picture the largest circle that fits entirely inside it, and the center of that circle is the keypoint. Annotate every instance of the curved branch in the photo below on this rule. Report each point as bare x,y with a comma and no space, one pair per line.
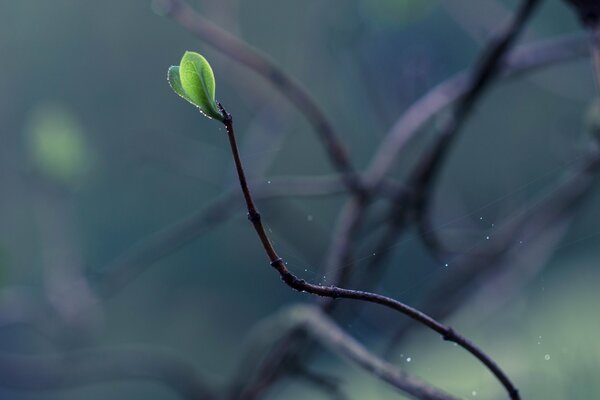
522,60
334,292
422,178
474,273
321,328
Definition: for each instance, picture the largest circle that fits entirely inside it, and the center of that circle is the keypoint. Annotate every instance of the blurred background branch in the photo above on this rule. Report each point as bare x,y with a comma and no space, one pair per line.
97,156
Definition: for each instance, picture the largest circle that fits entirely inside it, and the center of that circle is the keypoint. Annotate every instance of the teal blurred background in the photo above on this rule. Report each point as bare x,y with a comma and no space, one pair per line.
97,154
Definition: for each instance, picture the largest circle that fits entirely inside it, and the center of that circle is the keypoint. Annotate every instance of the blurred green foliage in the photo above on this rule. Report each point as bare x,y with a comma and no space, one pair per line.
57,144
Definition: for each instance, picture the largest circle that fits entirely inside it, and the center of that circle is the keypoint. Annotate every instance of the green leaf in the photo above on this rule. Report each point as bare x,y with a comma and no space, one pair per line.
175,82
197,80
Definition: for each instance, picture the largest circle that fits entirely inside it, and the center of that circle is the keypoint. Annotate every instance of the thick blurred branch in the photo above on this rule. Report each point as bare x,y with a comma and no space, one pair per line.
494,261
523,59
422,179
113,277
340,262
331,385
67,290
413,201
596,52
319,327
588,11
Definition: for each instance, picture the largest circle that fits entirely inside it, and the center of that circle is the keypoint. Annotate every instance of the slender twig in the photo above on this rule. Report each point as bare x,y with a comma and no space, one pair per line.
56,372
335,292
250,57
138,258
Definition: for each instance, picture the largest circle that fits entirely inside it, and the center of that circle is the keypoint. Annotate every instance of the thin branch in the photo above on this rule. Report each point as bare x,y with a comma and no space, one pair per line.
524,59
36,373
335,292
521,60
251,58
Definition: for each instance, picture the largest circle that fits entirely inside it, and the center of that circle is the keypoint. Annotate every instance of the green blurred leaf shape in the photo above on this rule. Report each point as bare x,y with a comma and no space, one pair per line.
56,144
194,80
